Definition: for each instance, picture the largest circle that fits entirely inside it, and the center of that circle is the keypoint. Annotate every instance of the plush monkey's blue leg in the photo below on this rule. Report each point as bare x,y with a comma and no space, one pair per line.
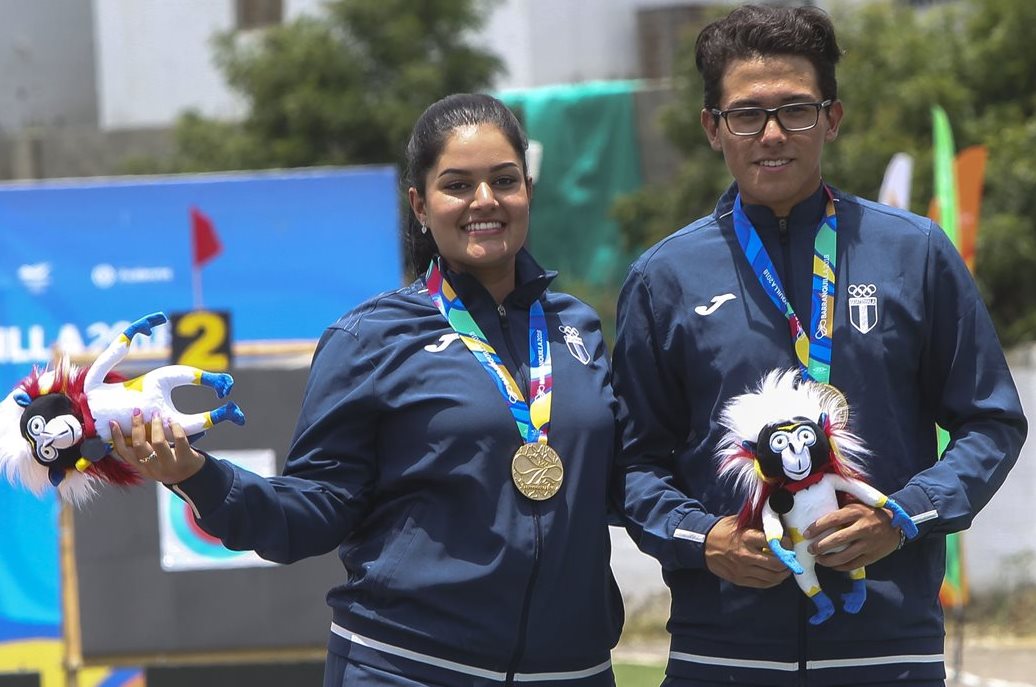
221,382
807,579
144,325
825,609
230,411
853,601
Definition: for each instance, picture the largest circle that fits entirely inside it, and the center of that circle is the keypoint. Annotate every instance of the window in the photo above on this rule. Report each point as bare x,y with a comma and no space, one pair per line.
255,14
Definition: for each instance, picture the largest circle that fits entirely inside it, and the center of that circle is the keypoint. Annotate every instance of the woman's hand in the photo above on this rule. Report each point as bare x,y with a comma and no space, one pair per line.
149,449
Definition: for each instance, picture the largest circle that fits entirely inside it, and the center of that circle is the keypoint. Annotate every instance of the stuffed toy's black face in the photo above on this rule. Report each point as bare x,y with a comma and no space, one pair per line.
792,449
52,430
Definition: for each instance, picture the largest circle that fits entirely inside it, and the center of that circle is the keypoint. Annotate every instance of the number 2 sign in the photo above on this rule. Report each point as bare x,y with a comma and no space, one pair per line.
201,338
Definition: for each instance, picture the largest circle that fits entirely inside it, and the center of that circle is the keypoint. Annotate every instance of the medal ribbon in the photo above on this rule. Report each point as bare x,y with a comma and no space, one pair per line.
533,420
814,349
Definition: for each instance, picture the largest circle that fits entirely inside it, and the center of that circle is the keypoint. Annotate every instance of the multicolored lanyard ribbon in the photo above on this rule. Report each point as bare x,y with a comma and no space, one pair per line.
813,350
533,419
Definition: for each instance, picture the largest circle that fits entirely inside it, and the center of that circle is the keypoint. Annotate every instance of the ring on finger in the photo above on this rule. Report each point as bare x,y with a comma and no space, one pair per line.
149,457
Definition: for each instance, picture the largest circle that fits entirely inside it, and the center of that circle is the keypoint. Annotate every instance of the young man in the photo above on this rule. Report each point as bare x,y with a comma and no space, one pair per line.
910,345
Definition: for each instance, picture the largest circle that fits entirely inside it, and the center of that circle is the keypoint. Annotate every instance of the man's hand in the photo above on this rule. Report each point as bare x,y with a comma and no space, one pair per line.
866,534
743,558
787,557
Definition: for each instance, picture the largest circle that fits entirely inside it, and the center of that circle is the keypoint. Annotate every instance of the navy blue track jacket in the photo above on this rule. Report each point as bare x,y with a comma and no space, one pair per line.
402,460
913,346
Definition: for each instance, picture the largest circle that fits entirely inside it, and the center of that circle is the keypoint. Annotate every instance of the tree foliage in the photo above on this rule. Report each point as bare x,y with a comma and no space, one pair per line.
974,58
343,88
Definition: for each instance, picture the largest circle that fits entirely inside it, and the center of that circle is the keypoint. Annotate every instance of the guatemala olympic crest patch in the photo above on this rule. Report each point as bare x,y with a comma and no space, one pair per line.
575,344
863,306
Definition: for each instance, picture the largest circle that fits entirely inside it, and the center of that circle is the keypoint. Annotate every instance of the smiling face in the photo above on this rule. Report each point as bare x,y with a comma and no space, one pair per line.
773,168
476,204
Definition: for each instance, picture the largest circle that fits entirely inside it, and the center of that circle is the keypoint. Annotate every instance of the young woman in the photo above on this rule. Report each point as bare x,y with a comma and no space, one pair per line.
455,442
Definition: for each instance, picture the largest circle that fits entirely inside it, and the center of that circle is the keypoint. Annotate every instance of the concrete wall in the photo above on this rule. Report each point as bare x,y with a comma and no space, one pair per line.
48,153
78,151
1000,547
46,64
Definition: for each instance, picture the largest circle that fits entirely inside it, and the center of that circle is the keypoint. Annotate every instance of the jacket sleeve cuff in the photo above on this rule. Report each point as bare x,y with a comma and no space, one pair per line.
918,506
206,490
689,538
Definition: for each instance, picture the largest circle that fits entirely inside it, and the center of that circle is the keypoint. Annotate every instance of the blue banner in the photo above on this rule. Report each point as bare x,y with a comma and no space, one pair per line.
298,249
30,598
82,258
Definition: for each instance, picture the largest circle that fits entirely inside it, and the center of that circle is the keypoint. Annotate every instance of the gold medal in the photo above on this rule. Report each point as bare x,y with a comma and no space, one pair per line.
537,471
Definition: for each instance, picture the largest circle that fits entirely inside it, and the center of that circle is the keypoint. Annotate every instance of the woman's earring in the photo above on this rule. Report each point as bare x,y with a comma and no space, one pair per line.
424,228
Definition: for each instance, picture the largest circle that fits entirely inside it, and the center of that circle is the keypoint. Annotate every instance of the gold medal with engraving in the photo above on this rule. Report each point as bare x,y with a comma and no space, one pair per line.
537,471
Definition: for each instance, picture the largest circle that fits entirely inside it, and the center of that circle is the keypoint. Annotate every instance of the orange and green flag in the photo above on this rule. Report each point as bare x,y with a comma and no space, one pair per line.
956,206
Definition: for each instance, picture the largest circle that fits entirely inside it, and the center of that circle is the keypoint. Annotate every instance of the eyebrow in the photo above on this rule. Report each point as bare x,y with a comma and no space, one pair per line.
467,172
788,100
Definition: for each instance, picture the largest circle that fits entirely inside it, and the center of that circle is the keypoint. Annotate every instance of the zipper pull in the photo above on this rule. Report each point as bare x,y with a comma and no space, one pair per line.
782,229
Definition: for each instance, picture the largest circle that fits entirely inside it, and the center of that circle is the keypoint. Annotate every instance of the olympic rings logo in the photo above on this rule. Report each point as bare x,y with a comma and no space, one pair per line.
862,290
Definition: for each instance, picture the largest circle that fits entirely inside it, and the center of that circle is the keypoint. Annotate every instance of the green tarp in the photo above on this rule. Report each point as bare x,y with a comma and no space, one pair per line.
590,158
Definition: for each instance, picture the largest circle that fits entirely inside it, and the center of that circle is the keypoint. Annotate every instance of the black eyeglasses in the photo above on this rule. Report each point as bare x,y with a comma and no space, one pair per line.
749,121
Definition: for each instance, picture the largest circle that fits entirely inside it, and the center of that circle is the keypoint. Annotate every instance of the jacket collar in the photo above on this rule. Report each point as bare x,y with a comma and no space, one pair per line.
808,212
531,281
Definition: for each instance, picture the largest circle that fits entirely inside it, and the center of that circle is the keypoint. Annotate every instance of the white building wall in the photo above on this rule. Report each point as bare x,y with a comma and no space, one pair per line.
155,59
1000,546
546,42
141,63
564,41
507,34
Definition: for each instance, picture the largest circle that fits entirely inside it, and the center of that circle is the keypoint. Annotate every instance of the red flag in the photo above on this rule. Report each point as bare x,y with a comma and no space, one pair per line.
204,241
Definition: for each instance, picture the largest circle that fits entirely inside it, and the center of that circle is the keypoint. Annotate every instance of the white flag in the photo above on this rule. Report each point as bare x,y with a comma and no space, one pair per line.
895,187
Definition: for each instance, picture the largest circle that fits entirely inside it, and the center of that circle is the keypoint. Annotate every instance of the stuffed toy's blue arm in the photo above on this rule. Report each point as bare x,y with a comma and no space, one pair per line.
785,556
901,520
